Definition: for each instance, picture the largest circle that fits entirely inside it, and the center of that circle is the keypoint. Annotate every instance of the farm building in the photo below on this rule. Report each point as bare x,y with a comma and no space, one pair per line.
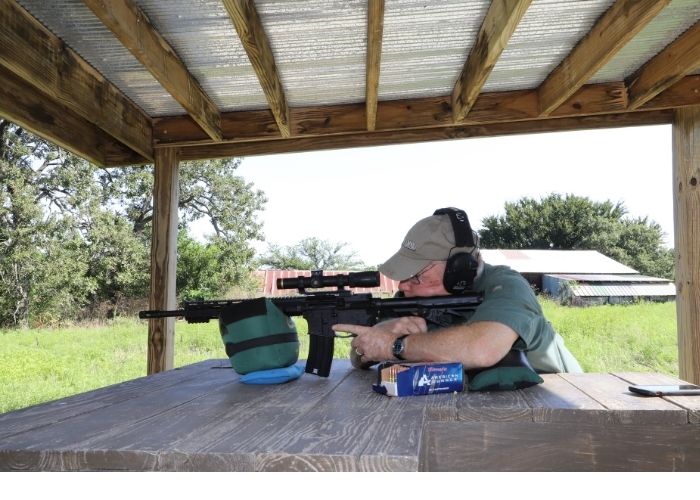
596,289
582,277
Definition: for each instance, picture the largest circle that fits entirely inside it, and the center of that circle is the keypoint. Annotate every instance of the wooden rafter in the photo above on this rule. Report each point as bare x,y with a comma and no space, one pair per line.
617,26
490,108
252,34
375,31
499,24
26,106
678,59
135,31
34,54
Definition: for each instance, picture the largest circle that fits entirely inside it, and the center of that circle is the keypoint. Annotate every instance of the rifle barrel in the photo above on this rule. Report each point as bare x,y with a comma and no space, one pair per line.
160,314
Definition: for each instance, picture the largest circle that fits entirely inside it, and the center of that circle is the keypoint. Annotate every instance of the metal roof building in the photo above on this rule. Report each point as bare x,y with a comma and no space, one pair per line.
595,289
582,277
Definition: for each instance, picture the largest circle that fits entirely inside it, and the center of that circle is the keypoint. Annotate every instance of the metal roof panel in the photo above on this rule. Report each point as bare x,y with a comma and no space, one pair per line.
672,21
631,290
556,261
83,32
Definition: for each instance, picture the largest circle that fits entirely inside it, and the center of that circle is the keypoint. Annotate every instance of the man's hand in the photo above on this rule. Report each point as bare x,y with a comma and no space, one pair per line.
374,343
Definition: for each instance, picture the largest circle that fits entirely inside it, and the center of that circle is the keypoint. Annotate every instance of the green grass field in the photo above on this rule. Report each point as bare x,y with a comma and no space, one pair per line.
42,365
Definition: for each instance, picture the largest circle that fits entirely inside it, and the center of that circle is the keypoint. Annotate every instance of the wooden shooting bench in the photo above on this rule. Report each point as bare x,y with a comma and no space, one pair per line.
201,417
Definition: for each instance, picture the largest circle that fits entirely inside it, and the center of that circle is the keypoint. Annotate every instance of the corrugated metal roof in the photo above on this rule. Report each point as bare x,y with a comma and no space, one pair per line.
545,35
593,278
672,21
556,261
320,47
630,290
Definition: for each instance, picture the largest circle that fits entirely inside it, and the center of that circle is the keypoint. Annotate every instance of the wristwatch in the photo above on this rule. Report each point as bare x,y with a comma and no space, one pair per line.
398,347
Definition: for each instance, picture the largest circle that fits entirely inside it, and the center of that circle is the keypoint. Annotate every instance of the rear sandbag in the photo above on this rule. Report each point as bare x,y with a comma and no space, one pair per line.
258,336
509,374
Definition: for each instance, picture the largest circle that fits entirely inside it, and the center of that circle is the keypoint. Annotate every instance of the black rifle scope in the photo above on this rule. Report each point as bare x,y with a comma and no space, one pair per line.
364,279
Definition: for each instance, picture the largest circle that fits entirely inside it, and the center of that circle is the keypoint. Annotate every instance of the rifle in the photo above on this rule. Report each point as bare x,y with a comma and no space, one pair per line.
322,310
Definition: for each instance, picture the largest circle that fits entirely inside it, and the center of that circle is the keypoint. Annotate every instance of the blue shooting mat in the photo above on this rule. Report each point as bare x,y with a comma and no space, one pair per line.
273,376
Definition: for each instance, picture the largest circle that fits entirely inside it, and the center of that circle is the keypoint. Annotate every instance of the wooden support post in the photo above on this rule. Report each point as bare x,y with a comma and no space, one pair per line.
161,332
686,209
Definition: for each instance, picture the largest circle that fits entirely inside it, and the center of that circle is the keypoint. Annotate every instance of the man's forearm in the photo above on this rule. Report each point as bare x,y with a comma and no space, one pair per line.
477,345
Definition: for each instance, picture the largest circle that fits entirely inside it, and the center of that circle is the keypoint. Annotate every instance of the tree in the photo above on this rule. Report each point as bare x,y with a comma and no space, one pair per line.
74,236
578,223
209,189
42,265
311,253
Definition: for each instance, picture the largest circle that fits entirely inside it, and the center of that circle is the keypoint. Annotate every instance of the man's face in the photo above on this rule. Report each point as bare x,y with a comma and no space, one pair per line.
426,283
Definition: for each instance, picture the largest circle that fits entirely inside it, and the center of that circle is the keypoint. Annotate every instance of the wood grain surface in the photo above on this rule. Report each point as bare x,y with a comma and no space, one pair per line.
202,418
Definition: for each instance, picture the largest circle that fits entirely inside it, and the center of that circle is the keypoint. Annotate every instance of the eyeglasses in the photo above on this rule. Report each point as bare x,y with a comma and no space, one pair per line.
415,279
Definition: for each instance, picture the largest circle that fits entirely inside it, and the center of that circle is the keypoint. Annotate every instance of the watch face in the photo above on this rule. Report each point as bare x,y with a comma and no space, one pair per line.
398,347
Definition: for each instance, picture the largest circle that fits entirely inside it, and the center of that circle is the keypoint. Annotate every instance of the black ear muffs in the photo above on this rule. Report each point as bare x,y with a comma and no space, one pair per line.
461,267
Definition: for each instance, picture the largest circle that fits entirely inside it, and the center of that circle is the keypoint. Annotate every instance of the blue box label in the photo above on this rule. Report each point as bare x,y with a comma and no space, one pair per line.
416,379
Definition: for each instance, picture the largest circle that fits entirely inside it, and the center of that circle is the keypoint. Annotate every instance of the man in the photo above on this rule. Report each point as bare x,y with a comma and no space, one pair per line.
439,255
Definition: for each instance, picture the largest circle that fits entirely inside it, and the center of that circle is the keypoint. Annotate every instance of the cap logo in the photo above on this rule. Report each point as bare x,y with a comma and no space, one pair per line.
410,244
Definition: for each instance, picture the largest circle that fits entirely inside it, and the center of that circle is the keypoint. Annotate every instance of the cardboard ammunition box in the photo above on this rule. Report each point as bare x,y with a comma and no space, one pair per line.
417,379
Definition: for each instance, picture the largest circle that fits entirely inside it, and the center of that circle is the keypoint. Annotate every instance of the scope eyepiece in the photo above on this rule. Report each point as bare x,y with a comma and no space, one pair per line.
364,279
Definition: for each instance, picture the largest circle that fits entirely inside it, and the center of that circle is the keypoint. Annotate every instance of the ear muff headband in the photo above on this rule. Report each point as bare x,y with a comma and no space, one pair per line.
460,225
460,269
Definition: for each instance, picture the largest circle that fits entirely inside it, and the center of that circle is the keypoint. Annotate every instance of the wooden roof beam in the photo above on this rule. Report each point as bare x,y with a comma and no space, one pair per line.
381,138
134,30
617,26
375,32
679,58
47,117
34,54
492,107
499,25
252,34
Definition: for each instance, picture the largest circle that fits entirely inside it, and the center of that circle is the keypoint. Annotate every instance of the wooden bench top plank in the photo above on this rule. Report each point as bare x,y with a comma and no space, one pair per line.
352,428
51,412
493,406
690,403
116,418
442,407
238,414
557,400
611,392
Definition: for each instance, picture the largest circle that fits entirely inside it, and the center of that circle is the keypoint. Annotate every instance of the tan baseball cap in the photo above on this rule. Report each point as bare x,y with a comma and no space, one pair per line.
428,240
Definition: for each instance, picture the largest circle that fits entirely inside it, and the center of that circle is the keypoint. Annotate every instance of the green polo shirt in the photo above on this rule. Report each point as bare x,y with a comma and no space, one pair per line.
508,299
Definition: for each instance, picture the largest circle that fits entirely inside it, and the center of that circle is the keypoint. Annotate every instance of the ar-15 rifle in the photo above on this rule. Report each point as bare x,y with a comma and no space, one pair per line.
322,310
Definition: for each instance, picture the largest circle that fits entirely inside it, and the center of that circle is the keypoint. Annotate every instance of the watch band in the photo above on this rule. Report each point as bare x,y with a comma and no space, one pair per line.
398,347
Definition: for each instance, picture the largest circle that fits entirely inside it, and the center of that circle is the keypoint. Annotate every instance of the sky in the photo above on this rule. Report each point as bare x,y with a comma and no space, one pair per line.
370,197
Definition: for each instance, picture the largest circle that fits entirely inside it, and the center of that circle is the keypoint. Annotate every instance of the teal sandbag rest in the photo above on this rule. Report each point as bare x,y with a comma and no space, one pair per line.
258,336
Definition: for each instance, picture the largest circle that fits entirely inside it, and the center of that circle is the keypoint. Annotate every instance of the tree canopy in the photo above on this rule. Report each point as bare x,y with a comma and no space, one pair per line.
573,222
74,236
310,254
